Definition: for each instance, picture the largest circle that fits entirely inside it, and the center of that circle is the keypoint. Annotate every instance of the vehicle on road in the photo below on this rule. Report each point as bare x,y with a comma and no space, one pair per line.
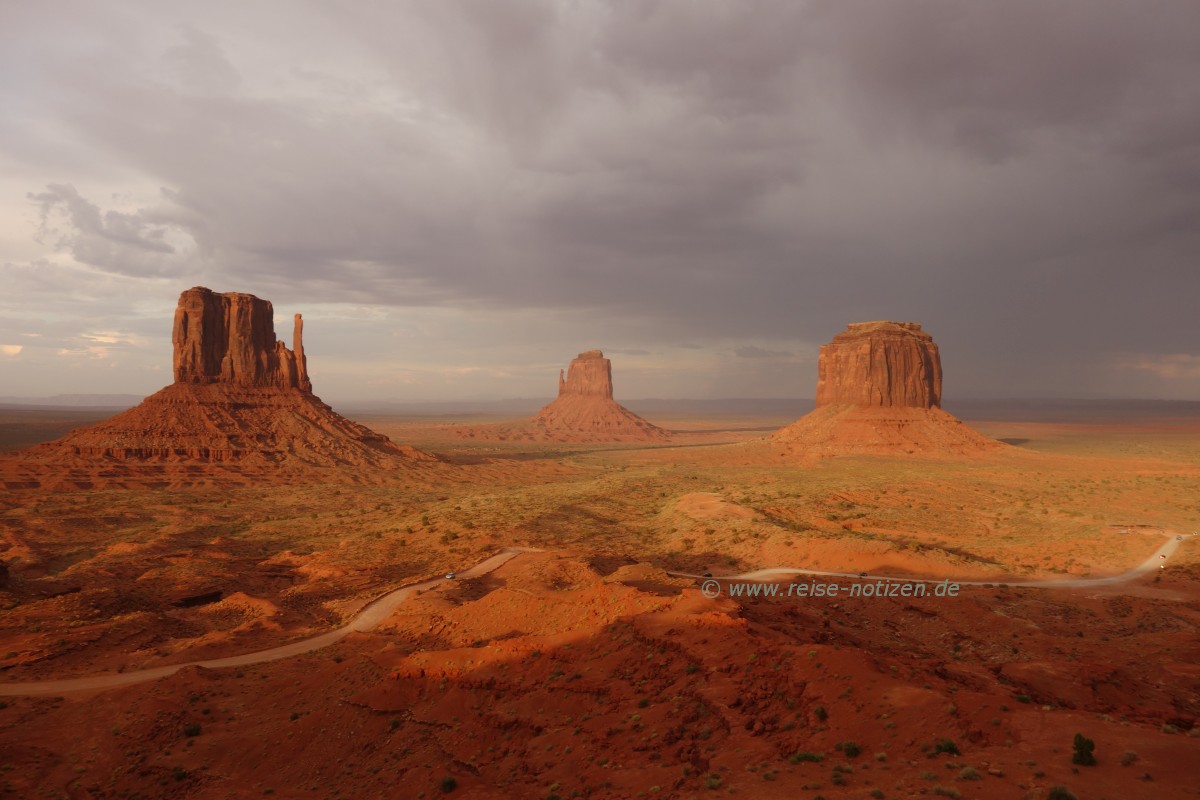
1179,538
450,576
862,574
1162,555
708,575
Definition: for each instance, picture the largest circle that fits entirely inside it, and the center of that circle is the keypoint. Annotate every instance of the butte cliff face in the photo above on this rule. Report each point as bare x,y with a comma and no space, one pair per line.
241,401
879,390
880,364
584,411
589,375
230,339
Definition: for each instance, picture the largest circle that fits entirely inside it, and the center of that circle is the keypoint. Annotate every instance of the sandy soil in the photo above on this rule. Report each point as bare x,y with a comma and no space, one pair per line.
587,670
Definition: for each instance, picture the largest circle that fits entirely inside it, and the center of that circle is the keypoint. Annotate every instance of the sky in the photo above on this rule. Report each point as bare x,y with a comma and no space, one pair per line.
461,195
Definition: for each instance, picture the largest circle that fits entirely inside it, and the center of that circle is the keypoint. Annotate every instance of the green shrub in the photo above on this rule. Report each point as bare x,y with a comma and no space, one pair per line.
946,746
1083,751
449,784
191,729
802,756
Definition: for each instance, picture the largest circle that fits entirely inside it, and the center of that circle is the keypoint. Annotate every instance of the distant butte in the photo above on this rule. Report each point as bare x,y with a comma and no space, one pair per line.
879,390
241,399
584,411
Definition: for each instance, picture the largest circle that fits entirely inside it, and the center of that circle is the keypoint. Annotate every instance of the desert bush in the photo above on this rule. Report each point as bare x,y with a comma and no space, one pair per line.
1083,751
806,756
449,784
945,746
970,774
1060,793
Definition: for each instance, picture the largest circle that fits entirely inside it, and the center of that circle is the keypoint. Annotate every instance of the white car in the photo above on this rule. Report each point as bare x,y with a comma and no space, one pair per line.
450,576
1162,555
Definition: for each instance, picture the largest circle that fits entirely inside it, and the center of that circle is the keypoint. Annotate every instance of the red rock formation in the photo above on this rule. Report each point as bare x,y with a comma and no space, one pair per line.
230,339
879,390
239,398
589,375
584,411
873,364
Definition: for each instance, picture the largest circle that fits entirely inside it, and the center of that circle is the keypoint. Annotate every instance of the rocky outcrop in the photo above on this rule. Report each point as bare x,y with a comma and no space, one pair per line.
879,391
584,411
240,399
880,364
588,375
230,339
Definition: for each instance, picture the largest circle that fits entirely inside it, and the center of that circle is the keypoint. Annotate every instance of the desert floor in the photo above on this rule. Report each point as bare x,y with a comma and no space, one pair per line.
586,670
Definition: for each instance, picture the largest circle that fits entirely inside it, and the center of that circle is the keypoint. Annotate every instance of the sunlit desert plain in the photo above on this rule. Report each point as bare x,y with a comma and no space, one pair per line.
585,668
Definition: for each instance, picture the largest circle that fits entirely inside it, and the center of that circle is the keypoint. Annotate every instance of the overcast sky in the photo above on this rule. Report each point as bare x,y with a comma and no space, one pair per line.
461,195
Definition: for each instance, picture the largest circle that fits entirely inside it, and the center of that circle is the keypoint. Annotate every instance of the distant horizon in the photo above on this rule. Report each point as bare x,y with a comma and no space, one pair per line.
125,400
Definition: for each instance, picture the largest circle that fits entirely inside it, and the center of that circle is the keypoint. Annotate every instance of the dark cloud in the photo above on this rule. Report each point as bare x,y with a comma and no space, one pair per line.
1007,173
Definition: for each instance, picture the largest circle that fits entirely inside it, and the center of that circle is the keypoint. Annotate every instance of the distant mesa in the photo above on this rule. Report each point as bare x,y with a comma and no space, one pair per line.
879,390
584,411
240,398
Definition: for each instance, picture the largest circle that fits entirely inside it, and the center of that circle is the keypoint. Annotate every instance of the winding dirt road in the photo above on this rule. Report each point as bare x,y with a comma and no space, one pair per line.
1152,563
378,610
371,615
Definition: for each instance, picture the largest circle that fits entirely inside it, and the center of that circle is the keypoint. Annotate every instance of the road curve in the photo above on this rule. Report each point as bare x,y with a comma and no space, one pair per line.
370,616
378,610
1151,564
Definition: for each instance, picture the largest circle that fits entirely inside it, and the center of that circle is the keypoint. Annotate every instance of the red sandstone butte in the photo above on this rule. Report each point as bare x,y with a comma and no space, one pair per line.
240,397
584,411
230,338
879,390
879,364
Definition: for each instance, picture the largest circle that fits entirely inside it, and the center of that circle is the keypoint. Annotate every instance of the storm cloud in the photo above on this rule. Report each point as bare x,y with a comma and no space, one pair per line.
471,191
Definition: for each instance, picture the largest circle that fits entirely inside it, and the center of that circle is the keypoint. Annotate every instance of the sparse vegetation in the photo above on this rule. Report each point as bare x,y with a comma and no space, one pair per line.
1083,754
945,746
803,756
